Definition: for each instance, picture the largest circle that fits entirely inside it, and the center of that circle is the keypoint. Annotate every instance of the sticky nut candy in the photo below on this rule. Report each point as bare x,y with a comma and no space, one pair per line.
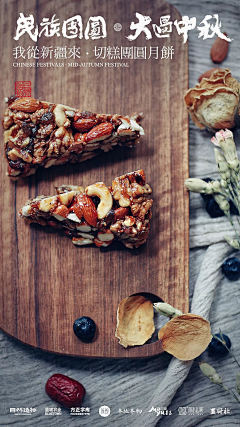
65,390
97,214
39,133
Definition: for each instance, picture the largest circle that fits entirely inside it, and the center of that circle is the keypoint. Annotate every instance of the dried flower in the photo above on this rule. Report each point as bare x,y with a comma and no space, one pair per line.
224,139
213,102
186,336
222,168
228,189
135,323
166,309
210,372
238,383
222,203
197,185
232,242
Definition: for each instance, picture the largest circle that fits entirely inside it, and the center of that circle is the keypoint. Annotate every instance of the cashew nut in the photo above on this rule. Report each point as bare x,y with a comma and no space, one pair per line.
135,126
100,190
60,116
48,203
66,198
26,210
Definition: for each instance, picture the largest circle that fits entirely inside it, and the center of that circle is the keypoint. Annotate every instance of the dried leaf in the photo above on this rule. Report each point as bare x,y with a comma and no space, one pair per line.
186,336
134,321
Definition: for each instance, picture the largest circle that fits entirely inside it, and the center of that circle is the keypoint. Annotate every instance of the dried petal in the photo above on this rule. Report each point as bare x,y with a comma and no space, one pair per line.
186,336
212,103
134,321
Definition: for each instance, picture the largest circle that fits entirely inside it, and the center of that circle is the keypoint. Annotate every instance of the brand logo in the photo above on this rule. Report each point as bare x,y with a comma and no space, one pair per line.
104,411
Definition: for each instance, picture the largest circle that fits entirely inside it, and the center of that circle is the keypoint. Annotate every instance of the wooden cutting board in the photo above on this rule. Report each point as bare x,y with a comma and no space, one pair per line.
47,282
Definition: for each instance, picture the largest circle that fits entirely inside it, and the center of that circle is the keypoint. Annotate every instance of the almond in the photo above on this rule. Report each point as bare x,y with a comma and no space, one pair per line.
219,50
81,241
48,204
83,125
28,105
77,145
77,209
100,243
61,211
120,213
207,74
78,137
88,209
105,236
99,132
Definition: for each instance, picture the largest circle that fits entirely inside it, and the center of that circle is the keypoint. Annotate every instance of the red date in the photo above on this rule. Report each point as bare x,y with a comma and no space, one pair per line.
64,390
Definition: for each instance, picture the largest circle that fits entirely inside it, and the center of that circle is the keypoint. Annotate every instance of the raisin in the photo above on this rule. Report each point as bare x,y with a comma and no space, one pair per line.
84,115
27,129
7,150
11,99
34,130
30,146
116,204
17,165
47,118
139,179
95,200
109,217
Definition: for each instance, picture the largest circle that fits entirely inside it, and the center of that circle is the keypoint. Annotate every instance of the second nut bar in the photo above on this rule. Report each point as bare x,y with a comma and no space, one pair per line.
97,214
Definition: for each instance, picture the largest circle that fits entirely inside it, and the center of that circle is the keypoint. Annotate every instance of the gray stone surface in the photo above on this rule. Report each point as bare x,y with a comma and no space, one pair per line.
130,383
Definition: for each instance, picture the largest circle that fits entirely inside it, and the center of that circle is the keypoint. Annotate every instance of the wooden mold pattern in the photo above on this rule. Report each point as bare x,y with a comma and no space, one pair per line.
47,282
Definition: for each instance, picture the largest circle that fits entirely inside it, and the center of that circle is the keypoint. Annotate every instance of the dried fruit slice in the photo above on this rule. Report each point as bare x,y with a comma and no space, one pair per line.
89,219
39,133
135,323
186,336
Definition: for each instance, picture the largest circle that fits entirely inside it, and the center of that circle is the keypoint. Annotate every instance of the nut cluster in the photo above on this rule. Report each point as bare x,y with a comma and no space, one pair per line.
39,133
97,214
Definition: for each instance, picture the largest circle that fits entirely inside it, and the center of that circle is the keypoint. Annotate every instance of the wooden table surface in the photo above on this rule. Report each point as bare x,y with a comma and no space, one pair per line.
41,304
129,384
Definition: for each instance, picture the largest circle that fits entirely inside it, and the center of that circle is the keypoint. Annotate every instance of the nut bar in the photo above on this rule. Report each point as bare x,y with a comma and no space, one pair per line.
97,214
39,133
